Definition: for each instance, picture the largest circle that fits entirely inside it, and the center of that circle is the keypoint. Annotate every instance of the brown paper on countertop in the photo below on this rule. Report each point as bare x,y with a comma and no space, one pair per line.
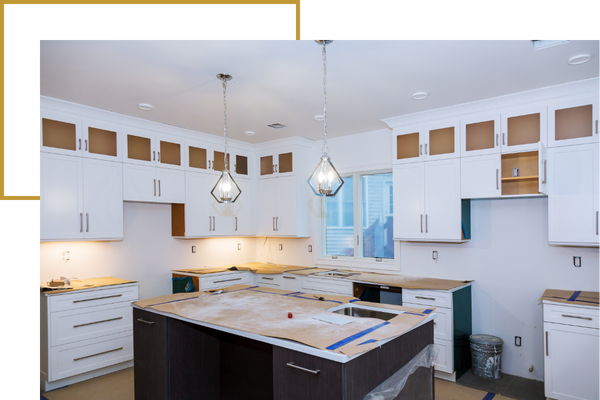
563,296
90,283
264,311
307,270
408,282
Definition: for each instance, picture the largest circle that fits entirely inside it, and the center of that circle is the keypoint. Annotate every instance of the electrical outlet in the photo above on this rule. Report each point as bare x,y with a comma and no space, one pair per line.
310,248
434,255
239,246
577,261
280,247
518,341
193,249
66,255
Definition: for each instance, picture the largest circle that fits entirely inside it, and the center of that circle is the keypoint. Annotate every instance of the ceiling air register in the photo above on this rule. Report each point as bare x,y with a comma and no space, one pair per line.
325,180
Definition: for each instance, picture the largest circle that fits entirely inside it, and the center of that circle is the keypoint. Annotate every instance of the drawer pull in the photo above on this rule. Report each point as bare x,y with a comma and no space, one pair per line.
229,280
291,364
97,298
97,354
146,322
425,298
546,342
268,279
289,277
98,322
577,316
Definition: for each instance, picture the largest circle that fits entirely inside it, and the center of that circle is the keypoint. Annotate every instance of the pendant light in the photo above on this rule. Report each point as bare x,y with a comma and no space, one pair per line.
226,190
325,180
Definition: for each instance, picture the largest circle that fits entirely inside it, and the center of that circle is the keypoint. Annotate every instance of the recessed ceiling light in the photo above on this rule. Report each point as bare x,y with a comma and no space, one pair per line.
277,126
249,133
579,59
145,106
319,118
419,95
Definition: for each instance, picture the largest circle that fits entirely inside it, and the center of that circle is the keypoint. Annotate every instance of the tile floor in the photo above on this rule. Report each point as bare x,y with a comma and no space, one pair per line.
119,386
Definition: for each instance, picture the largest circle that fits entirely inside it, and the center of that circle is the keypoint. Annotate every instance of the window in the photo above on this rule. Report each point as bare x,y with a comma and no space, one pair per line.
358,220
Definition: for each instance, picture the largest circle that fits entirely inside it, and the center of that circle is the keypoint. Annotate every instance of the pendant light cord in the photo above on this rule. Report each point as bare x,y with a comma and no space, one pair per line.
225,123
325,148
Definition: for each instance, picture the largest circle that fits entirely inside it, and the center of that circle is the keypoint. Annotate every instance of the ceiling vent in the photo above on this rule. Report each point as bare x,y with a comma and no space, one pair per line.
276,126
544,44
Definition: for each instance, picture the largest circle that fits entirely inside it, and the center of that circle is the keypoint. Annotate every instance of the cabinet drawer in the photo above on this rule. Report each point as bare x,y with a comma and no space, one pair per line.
427,298
572,315
92,298
442,325
327,285
76,325
87,356
224,280
445,359
270,280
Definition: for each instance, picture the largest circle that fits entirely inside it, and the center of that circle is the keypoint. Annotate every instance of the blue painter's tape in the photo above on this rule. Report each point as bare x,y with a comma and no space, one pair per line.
367,341
428,311
574,296
579,300
412,313
172,301
489,396
352,301
355,336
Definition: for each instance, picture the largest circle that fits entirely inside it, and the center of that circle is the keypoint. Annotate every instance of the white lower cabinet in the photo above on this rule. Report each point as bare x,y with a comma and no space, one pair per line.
571,351
268,280
153,184
85,333
313,284
291,282
451,328
224,279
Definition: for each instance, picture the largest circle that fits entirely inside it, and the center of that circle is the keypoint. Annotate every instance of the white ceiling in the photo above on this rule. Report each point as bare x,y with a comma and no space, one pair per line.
282,81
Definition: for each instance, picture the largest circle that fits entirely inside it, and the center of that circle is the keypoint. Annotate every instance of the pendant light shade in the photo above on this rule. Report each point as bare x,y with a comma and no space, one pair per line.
325,180
226,190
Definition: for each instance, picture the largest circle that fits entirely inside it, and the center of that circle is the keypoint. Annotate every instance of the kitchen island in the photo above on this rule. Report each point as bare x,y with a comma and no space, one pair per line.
186,346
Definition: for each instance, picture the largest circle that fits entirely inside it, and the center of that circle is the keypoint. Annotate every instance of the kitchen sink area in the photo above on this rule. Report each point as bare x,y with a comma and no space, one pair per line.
360,311
340,274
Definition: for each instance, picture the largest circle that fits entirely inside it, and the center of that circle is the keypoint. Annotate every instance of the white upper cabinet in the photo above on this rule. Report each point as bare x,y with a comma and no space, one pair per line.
573,121
277,163
480,176
60,133
102,140
434,141
149,149
509,131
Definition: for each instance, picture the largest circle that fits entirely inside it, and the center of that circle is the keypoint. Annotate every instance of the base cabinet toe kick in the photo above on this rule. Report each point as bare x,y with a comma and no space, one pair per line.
176,359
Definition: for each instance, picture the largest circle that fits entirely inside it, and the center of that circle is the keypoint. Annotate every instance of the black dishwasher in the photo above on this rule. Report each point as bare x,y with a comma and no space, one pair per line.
378,293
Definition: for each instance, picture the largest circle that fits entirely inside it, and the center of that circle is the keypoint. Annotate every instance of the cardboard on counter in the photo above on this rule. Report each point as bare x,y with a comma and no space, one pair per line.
571,297
78,284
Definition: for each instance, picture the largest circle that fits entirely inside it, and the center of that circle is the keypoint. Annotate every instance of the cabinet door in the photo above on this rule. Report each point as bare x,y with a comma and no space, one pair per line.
61,197
570,362
170,186
268,205
102,141
286,222
407,146
197,156
442,200
480,135
241,164
139,148
169,152
573,122
573,195
291,283
103,199
60,134
523,128
442,141
139,183
242,209
409,201
480,177
222,215
197,204
150,358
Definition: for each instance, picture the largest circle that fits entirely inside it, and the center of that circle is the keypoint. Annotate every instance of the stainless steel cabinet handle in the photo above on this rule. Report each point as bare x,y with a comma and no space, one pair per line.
85,144
497,179
291,364
289,277
97,354
155,187
421,223
229,280
97,298
146,322
276,170
80,222
420,149
577,316
97,322
426,148
159,188
496,140
209,224
273,168
425,298
159,156
277,223
214,224
596,222
544,180
235,168
154,156
596,126
546,342
503,137
357,240
273,223
236,223
87,222
79,144
426,230
268,279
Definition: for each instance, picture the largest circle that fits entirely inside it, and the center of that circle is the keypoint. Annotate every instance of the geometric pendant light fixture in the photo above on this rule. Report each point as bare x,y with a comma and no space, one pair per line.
226,190
325,180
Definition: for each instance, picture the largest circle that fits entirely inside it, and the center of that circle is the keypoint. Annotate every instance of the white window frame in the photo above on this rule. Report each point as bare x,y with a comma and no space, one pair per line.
356,262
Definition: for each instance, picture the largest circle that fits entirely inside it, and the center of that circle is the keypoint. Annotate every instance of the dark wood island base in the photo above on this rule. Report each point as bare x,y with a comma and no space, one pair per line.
175,359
